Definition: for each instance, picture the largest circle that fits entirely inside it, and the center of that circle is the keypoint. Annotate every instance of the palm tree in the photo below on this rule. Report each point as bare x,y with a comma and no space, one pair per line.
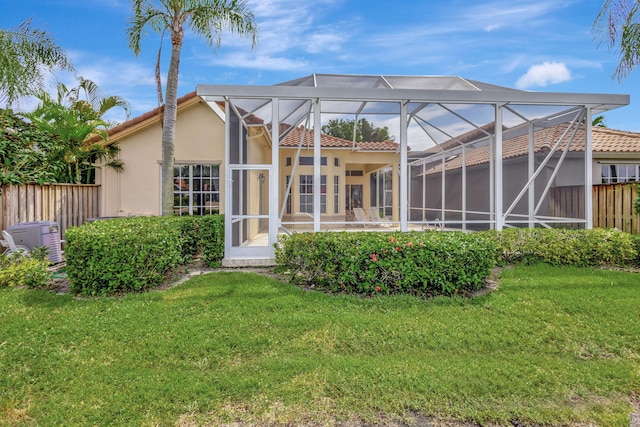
76,116
26,54
617,25
207,19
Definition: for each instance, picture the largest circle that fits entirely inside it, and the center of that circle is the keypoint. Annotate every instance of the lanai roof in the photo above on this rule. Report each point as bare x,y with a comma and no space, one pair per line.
439,108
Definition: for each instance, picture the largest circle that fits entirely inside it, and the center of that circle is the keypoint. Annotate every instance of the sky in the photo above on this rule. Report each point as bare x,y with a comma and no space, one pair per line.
544,45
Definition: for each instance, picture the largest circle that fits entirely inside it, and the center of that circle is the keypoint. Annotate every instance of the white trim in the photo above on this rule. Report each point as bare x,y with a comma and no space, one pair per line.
588,171
403,167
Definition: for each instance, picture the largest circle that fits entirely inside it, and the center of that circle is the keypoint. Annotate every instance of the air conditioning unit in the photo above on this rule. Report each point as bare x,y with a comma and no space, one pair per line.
38,233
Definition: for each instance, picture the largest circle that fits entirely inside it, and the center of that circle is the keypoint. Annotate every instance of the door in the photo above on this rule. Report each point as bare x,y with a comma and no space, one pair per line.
247,213
353,199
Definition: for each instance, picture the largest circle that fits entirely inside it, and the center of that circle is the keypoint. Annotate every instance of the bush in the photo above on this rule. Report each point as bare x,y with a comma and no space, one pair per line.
202,236
564,247
427,263
122,254
134,254
23,270
636,244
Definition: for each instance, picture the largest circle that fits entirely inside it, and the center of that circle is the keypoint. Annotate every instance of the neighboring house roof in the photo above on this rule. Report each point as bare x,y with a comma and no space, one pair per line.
604,140
292,140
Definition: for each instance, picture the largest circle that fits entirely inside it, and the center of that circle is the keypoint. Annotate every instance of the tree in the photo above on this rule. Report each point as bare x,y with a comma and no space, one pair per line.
365,131
26,55
24,152
617,25
599,121
76,116
207,19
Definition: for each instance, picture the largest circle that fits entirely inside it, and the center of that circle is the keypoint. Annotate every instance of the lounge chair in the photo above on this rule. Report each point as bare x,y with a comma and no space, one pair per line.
374,214
11,246
434,225
360,216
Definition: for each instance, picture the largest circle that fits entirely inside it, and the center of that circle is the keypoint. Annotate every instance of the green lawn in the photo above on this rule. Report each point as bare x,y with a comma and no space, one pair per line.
551,346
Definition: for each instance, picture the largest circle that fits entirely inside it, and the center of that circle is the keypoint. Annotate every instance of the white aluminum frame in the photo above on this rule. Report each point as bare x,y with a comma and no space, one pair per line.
458,91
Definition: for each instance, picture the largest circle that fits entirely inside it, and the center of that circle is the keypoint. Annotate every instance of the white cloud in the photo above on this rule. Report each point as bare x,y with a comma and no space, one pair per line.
261,62
544,74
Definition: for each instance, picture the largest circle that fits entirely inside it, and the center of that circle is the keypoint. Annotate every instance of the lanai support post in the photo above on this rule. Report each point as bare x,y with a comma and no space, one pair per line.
228,230
588,171
492,180
443,188
274,178
317,126
403,167
500,219
530,171
464,187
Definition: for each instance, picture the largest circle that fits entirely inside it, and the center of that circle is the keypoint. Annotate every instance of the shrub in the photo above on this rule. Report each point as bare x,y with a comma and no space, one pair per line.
134,254
636,244
23,270
123,254
211,235
428,263
202,236
564,247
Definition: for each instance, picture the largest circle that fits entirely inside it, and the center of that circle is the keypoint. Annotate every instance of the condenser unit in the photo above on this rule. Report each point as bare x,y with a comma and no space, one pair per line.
38,233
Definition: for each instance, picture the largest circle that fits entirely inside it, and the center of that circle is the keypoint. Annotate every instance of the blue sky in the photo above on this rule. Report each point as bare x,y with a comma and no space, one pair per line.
544,45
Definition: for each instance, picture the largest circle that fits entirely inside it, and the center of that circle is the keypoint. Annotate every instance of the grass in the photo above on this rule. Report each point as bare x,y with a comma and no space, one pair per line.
552,346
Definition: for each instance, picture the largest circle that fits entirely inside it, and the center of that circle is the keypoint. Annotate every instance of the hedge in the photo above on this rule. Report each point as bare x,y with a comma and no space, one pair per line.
564,247
133,254
418,263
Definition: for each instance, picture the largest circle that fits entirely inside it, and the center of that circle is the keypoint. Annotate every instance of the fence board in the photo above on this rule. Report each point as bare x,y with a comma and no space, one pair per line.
61,203
613,207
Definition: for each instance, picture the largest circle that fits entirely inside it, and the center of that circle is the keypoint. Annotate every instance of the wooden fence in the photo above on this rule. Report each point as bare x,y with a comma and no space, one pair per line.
612,205
67,204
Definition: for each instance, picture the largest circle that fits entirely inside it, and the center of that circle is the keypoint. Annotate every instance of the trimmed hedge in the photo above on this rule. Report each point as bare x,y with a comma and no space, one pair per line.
133,254
564,247
425,263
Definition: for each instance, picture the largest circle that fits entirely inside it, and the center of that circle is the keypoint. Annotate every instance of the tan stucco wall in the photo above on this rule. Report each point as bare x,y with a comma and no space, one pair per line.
367,162
136,190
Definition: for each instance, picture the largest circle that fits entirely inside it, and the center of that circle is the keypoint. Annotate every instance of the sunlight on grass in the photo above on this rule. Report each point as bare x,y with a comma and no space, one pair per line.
551,346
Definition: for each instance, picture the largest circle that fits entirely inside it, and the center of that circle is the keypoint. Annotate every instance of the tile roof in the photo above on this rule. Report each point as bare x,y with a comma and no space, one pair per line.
292,140
604,140
150,114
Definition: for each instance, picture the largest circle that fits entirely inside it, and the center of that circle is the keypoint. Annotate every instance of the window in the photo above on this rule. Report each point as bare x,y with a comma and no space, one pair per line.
354,173
308,161
288,204
613,173
336,161
306,193
336,194
196,189
287,161
382,190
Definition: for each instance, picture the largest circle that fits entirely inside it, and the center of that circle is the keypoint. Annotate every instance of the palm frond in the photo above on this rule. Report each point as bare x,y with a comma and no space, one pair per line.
617,27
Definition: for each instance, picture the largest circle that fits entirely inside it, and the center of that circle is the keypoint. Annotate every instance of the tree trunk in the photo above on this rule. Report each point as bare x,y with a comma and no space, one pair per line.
169,129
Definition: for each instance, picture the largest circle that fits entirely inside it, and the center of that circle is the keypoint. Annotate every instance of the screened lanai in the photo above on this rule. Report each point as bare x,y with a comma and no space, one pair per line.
462,154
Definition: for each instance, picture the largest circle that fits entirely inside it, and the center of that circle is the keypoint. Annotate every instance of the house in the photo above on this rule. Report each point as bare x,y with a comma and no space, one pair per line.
225,160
